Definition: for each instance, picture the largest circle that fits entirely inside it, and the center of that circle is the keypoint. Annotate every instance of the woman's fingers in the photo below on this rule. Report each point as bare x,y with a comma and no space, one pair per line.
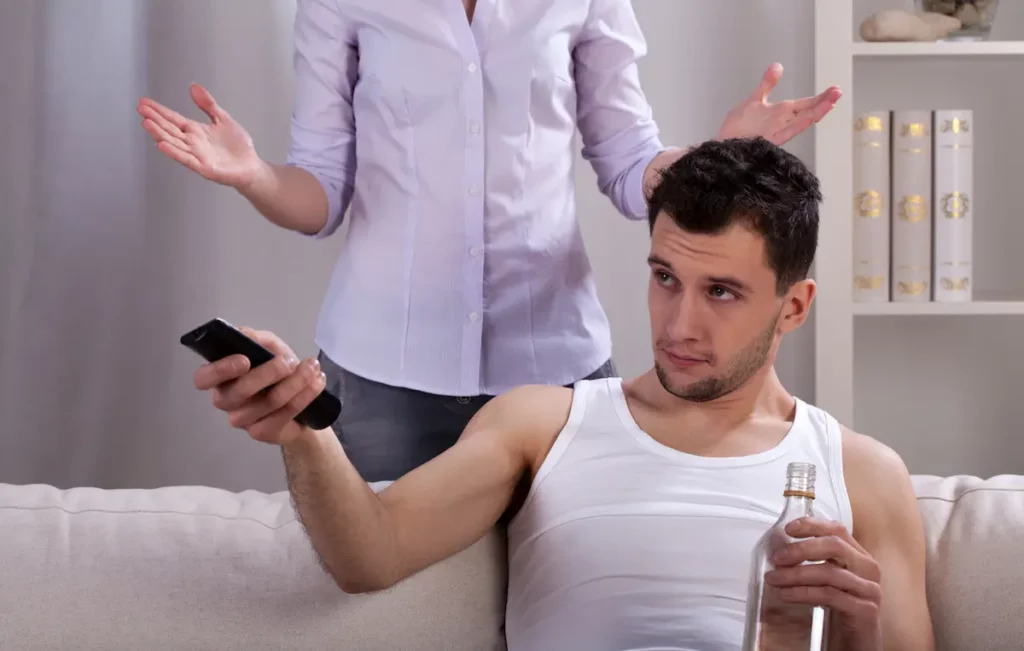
160,134
185,158
151,108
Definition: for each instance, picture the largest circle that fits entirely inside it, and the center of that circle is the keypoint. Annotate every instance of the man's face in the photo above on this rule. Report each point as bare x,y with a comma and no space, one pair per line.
716,318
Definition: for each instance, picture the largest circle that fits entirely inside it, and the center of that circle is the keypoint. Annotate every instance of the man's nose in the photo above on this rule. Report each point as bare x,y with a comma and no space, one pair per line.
689,317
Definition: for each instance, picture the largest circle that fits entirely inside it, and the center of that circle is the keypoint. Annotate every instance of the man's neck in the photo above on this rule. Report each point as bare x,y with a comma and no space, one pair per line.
762,397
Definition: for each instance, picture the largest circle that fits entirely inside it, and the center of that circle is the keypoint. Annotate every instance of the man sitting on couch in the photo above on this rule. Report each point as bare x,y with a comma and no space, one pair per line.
632,506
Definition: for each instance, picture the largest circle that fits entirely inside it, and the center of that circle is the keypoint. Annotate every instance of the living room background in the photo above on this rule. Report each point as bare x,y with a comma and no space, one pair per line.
109,252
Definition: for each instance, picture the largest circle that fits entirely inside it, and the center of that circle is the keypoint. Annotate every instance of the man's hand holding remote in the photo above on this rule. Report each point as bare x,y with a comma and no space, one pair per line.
263,400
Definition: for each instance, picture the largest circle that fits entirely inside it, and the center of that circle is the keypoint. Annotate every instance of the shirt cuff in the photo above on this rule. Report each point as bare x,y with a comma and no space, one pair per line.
335,194
635,195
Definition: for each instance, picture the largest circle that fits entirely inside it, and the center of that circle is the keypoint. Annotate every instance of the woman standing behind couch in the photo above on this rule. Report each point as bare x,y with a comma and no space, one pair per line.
445,130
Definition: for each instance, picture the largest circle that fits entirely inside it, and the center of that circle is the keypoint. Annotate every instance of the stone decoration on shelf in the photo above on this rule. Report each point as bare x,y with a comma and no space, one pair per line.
975,16
900,25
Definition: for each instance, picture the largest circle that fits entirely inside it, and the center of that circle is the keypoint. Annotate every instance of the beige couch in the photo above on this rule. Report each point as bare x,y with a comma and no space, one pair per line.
198,568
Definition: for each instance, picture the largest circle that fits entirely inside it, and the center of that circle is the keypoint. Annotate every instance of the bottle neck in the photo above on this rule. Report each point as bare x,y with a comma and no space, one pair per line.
799,504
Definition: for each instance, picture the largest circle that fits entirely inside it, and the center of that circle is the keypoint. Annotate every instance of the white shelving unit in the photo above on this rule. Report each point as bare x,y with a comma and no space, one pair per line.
939,382
966,49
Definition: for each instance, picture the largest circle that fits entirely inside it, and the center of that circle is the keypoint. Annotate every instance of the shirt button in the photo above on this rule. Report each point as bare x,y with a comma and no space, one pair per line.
474,191
474,316
474,128
476,251
471,67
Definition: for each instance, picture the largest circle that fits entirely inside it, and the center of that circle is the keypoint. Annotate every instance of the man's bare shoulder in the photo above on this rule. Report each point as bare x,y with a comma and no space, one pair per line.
877,481
529,417
527,407
867,457
887,523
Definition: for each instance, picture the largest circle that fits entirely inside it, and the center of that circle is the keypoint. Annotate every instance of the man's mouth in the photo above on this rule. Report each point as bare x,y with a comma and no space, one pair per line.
685,360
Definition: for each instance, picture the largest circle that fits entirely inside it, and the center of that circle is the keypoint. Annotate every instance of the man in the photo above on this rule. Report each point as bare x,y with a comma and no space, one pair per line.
634,505
446,131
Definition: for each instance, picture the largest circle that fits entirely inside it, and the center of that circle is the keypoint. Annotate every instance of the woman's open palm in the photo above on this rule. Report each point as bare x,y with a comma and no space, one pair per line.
221,151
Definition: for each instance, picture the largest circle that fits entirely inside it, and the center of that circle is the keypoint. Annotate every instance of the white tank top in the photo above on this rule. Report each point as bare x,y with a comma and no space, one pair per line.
626,544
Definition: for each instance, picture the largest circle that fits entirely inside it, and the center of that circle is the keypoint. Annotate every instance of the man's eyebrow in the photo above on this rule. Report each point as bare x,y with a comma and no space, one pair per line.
729,281
655,260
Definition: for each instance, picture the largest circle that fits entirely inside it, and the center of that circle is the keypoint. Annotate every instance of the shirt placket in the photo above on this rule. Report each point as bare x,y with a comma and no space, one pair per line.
468,38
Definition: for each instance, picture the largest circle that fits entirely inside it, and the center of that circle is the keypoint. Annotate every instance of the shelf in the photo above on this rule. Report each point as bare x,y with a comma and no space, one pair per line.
933,380
939,49
984,304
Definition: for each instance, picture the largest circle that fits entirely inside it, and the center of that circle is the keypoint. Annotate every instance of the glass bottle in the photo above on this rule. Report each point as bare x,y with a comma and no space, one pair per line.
771,623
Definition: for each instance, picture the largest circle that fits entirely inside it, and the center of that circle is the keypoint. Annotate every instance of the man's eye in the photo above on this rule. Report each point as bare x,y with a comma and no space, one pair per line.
663,278
722,293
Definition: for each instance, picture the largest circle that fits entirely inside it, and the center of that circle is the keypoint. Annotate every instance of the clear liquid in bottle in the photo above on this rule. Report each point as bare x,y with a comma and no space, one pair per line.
772,624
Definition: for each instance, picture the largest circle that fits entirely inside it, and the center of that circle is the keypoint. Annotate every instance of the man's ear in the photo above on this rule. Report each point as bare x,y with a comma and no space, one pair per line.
797,305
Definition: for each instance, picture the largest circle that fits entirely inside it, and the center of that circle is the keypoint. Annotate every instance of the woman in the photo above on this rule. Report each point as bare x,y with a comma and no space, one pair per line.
446,132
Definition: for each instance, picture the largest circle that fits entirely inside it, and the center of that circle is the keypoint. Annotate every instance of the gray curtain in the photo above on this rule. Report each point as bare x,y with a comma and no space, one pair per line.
109,252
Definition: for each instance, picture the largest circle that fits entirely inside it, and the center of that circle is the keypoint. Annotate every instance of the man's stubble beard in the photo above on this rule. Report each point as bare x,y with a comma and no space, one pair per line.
749,361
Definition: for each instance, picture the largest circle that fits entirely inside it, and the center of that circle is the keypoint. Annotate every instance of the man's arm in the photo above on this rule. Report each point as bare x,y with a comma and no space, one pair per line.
887,523
873,578
620,137
312,190
370,542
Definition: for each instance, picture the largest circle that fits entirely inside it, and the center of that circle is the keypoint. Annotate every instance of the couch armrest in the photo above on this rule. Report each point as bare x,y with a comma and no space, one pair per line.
975,546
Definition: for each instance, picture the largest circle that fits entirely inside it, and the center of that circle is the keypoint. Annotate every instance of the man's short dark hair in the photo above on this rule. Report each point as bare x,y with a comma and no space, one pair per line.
750,181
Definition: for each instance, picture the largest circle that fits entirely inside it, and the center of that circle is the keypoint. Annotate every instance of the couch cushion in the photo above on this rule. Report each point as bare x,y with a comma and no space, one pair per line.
975,533
201,568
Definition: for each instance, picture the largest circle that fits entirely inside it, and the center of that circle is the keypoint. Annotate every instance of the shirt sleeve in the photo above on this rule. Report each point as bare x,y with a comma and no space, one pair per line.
615,120
322,125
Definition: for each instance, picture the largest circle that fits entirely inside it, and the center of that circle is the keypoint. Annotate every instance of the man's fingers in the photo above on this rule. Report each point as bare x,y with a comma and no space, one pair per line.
278,426
829,544
277,397
818,548
210,376
822,575
204,100
770,78
258,379
268,340
832,598
808,527
263,400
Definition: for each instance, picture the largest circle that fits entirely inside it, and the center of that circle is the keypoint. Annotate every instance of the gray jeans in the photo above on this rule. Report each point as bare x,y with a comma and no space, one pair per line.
387,431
